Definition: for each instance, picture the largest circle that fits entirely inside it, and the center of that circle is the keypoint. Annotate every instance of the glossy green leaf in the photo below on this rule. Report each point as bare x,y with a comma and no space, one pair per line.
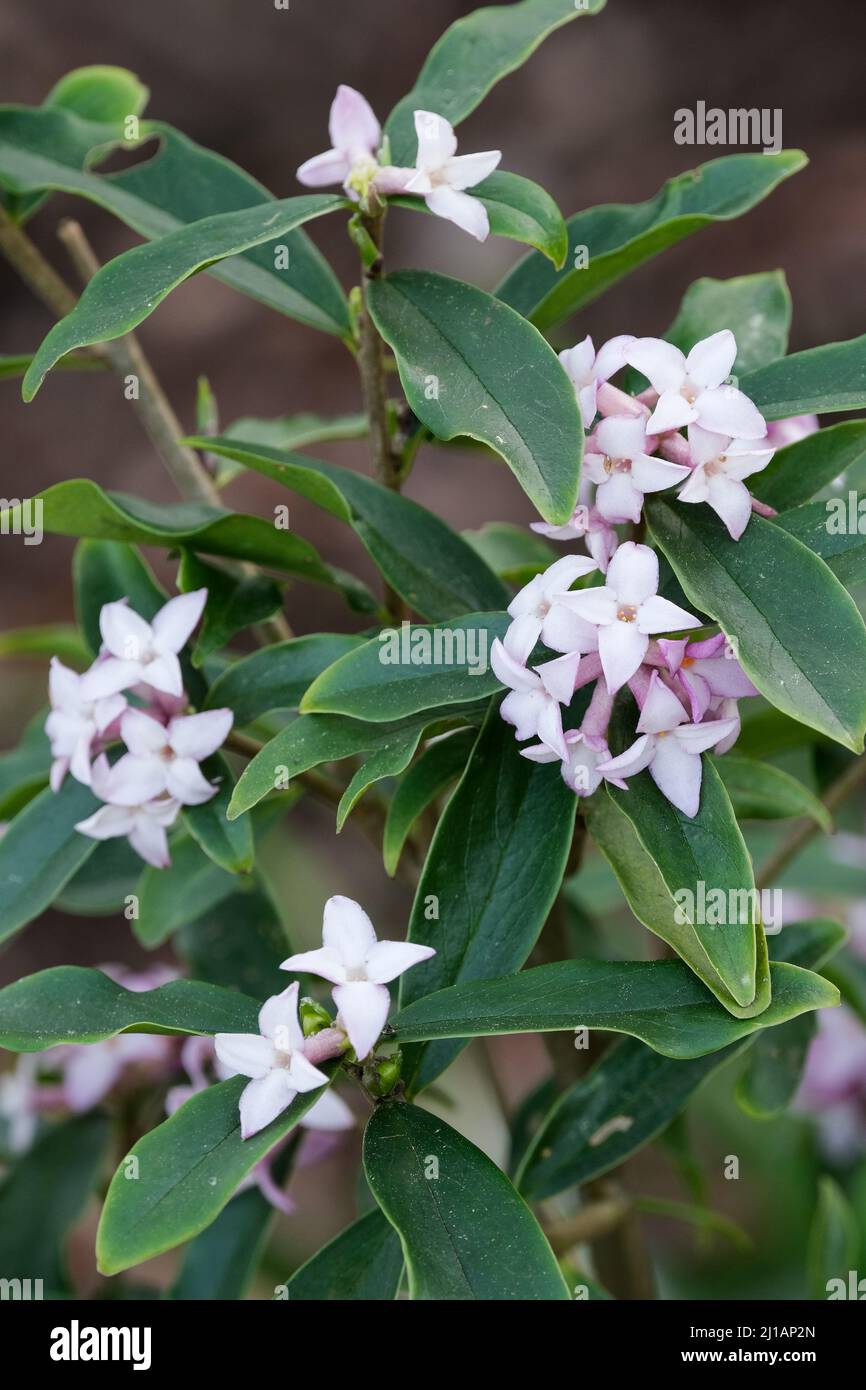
42,1196
221,1262
41,850
759,791
660,1001
18,365
234,602
389,761
181,183
104,571
515,553
519,209
24,770
126,291
775,1067
70,1004
290,432
801,470
465,1231
429,565
608,242
189,1167
493,871
779,603
105,884
835,530
99,93
471,57
834,1242
79,507
277,676
435,769
238,943
192,883
633,1093
456,348
227,843
832,377
756,308
363,1263
411,668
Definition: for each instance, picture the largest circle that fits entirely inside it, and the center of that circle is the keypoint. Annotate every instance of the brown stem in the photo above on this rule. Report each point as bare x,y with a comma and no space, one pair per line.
37,273
592,1222
850,781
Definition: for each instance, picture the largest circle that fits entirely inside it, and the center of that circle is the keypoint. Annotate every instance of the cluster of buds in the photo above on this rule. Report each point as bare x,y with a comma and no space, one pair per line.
144,790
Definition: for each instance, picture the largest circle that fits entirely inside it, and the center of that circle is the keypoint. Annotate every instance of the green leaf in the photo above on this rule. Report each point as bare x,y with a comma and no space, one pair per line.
847,971
471,57
228,843
363,1263
633,1093
126,291
493,871
238,943
189,1167
456,348
429,565
515,553
411,668
105,883
24,770
779,602
79,507
277,676
192,883
43,1195
759,791
54,639
775,1067
661,1002
221,1262
756,308
69,1004
40,851
233,602
465,1231
435,769
181,183
799,471
834,1240
389,761
519,209
832,377
831,529
18,365
290,432
99,93
616,238
105,571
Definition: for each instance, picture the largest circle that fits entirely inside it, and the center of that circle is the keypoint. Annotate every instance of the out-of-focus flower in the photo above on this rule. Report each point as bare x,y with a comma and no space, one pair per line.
144,824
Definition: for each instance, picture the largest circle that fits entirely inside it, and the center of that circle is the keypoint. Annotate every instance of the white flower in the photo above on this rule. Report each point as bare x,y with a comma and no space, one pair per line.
580,767
359,967
537,612
669,747
533,706
142,652
355,137
274,1061
144,824
165,758
624,471
721,464
627,610
77,718
441,175
690,388
587,369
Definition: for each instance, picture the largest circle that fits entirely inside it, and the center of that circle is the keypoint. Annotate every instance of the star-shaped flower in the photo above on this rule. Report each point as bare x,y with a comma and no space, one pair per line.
618,462
721,464
691,390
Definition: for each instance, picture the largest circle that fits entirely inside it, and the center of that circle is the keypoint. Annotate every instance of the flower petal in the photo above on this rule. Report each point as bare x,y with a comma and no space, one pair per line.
330,1113
520,638
622,648
633,573
612,356
322,962
677,774
436,140
324,169
618,499
185,781
565,631
662,363
198,735
597,606
466,170
107,677
352,124
148,839
661,710
509,671
697,738
124,632
363,1012
731,501
621,436
246,1054
671,413
712,359
347,931
727,411
176,619
469,214
132,781
388,959
164,674
278,1020
142,735
558,676
263,1100
632,761
653,474
303,1076
550,728
658,614
523,711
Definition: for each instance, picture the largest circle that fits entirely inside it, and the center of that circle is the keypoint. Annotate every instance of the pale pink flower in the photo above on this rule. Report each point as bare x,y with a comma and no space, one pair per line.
691,390
143,824
78,720
355,139
580,768
586,369
624,471
587,524
138,652
165,758
441,175
720,465
359,967
796,427
533,706
706,670
537,613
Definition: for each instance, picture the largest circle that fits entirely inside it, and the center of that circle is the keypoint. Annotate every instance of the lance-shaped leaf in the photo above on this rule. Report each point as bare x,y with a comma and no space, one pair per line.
435,769
290,432
363,1263
778,602
80,507
756,309
661,1002
801,470
389,761
519,209
411,668
222,1261
234,602
456,349
52,639
70,1004
24,770
126,290
180,184
775,1067
429,565
41,850
832,529
632,1093
760,791
676,873
832,377
465,1231
193,883
188,1168
607,242
238,944
277,676
227,843
471,57
493,871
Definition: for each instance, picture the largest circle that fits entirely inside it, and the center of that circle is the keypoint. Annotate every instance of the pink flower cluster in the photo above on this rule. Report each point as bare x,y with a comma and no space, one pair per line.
159,773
